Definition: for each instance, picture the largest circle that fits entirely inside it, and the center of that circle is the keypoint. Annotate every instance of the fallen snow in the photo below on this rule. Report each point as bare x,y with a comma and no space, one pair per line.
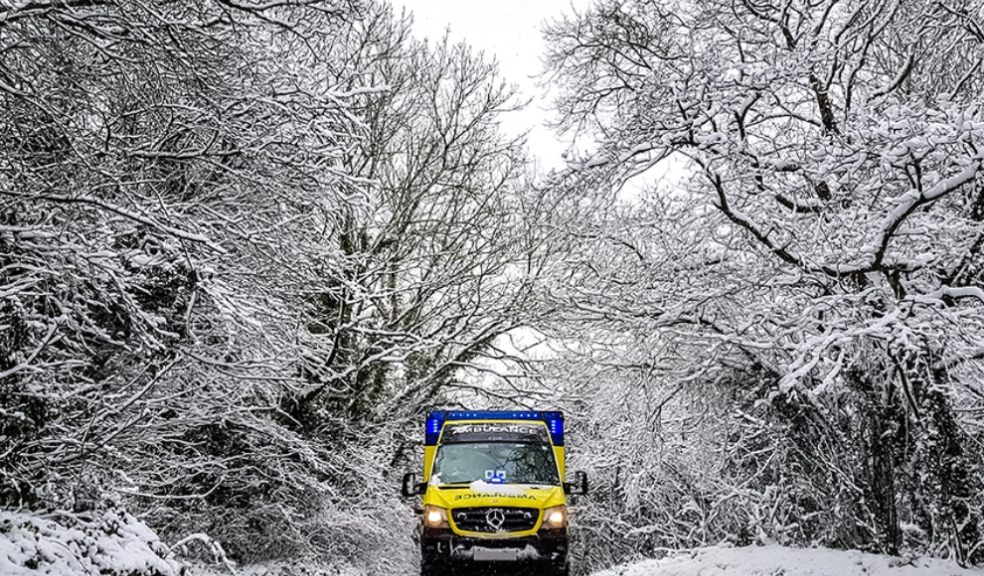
483,487
776,560
110,543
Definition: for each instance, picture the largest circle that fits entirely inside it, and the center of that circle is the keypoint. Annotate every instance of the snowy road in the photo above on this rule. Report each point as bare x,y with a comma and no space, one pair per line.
779,561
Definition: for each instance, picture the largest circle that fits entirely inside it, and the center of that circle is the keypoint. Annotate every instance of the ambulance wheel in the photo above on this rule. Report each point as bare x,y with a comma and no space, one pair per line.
429,569
565,570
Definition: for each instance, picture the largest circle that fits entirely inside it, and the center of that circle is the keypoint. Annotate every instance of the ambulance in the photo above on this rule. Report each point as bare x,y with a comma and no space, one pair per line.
494,492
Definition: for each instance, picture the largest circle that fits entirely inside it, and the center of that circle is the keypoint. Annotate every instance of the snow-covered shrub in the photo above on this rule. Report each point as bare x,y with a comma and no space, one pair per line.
108,543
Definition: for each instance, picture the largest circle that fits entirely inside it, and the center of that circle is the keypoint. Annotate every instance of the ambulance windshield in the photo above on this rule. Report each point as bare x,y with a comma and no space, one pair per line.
496,463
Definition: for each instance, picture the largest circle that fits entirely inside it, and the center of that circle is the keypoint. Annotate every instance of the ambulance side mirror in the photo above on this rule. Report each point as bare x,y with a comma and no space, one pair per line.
579,486
411,487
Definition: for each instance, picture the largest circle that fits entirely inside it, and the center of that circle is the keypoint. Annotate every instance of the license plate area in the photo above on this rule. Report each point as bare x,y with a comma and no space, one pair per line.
495,555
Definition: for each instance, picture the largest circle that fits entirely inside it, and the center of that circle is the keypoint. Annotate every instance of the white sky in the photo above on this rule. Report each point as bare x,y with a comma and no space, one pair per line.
509,31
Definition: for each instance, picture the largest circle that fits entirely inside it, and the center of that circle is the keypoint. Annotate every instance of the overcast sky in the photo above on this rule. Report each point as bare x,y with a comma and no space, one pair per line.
509,30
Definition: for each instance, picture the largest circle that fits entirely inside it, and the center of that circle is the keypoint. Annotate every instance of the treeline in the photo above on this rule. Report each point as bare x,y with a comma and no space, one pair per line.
242,245
787,346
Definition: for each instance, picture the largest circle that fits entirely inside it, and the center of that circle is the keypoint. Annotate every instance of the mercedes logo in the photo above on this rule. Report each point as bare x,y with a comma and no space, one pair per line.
495,518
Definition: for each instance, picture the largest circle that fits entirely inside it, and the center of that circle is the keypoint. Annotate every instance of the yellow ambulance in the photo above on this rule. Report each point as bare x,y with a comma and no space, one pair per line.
494,491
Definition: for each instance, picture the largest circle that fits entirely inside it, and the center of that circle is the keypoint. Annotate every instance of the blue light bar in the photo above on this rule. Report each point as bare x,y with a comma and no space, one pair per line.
436,420
555,423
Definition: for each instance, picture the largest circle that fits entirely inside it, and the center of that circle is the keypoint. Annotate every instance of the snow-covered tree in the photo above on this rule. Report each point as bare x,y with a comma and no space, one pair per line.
434,268
170,187
818,271
241,242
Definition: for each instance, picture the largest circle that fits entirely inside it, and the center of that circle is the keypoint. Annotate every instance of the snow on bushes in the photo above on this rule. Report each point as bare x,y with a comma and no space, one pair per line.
110,543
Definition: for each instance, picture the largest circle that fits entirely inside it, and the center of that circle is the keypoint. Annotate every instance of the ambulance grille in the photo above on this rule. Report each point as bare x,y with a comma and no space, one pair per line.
495,519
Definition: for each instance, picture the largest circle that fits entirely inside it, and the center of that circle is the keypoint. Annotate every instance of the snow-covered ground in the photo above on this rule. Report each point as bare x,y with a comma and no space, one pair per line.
113,543
109,543
779,561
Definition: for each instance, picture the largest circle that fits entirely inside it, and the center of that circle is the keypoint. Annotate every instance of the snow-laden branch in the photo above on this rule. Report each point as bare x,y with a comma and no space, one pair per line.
141,218
937,296
48,340
14,10
214,546
912,201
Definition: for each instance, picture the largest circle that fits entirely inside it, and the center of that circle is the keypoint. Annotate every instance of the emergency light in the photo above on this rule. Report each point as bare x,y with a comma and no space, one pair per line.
436,420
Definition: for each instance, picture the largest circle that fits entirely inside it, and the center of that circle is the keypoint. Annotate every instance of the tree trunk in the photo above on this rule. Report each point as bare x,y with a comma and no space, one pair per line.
879,413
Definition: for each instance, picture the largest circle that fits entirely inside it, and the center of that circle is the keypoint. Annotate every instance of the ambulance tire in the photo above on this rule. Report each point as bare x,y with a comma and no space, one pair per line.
565,571
428,569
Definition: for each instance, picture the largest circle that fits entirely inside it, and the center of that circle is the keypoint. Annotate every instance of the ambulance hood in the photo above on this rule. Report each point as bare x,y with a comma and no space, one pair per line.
483,494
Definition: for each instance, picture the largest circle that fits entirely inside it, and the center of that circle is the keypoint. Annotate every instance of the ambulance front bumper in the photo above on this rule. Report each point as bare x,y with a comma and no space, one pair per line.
444,547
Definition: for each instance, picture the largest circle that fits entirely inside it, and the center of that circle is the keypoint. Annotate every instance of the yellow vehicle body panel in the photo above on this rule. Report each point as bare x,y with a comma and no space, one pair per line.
429,453
559,456
539,497
480,495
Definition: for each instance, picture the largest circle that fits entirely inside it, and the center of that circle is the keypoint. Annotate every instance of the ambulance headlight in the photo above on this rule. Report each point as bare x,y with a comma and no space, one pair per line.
554,518
435,517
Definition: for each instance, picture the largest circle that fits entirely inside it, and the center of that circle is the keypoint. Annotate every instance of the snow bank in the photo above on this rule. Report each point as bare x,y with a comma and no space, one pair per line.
111,543
776,560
